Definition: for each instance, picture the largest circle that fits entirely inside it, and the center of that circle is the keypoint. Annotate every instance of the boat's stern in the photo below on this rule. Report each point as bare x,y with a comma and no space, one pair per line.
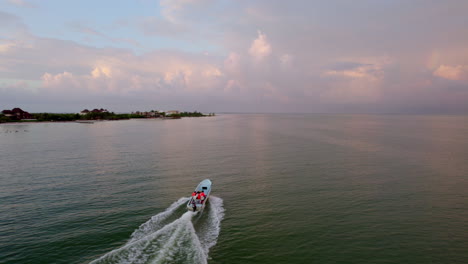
195,206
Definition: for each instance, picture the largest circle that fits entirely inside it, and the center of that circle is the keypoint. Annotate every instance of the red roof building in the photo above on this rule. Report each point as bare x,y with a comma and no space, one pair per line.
17,113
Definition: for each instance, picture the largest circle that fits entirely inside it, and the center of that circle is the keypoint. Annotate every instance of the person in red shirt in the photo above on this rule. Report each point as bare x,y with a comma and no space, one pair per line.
201,196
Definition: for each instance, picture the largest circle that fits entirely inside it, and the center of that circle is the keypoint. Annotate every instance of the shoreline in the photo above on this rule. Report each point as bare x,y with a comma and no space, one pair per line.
76,121
89,121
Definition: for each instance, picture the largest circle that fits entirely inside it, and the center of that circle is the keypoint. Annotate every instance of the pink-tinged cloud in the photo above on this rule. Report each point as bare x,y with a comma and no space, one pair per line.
21,3
6,45
101,72
456,73
371,72
260,47
123,74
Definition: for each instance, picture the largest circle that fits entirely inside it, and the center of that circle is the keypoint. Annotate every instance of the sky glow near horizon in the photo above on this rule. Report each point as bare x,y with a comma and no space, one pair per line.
306,56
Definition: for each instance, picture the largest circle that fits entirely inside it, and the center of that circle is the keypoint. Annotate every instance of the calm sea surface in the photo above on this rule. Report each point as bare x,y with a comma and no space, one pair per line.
286,189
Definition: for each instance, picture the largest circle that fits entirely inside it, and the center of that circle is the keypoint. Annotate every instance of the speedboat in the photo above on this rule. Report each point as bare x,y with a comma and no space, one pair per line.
197,205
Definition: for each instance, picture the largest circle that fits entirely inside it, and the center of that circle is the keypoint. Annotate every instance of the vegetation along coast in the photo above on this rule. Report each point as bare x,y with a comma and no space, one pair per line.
19,115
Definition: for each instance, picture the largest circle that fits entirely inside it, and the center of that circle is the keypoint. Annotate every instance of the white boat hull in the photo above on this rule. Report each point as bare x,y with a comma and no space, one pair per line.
196,205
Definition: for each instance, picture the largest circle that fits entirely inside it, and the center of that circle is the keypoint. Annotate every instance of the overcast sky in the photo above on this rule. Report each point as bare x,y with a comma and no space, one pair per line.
306,56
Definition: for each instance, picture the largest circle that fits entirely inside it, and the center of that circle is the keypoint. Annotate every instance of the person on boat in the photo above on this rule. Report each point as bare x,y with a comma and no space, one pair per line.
195,196
202,196
198,196
194,206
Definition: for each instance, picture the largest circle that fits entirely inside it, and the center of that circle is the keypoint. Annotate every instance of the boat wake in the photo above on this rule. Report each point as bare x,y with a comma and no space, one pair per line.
168,239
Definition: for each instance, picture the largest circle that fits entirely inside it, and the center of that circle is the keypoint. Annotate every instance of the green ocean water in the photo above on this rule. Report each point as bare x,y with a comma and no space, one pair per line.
286,189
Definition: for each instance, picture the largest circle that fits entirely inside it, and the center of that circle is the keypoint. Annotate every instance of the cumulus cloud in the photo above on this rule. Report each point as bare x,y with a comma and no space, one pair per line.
57,80
457,72
101,71
260,47
160,75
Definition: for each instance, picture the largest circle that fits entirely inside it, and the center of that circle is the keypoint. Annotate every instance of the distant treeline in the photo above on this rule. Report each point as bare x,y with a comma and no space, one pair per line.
193,114
95,116
71,117
89,116
4,119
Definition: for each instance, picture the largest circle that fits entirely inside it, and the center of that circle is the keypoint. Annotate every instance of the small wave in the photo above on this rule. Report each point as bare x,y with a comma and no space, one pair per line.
174,242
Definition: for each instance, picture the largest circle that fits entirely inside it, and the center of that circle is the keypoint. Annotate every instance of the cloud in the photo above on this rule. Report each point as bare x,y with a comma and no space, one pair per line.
456,73
58,80
357,73
158,74
22,3
260,47
12,26
79,27
359,67
357,80
175,11
364,71
232,63
187,24
102,71
6,45
286,60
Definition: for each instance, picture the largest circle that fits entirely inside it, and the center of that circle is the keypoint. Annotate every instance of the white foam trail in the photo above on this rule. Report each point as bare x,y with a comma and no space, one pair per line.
209,232
175,242
156,222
